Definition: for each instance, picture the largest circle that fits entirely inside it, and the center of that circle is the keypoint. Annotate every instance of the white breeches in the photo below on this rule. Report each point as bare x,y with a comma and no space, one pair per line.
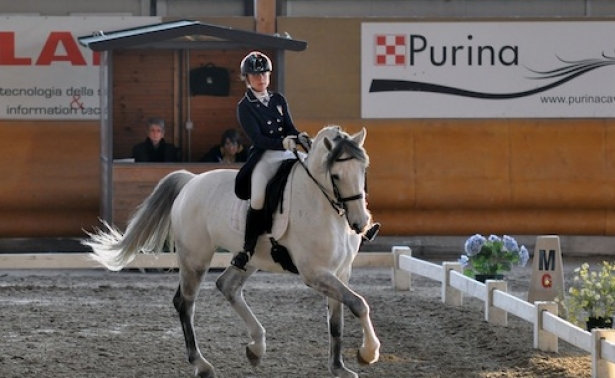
264,171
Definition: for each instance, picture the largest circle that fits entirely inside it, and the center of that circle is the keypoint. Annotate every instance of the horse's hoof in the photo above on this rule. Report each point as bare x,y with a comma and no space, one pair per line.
363,361
252,357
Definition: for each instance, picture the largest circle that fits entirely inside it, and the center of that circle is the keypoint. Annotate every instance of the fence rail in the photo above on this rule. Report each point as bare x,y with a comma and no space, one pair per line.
548,326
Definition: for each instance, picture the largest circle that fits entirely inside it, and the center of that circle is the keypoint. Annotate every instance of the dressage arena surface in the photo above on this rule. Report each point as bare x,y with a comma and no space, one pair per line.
96,323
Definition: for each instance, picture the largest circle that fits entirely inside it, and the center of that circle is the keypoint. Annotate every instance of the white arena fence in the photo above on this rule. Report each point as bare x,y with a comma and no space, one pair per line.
548,327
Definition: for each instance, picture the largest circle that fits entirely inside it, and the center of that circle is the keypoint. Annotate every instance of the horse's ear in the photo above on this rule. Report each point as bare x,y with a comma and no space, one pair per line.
359,137
328,144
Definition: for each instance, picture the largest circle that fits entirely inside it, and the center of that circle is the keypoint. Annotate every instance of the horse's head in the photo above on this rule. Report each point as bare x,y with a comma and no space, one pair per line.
341,159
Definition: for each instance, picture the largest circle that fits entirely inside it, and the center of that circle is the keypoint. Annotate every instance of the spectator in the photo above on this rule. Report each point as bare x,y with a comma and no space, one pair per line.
154,148
230,149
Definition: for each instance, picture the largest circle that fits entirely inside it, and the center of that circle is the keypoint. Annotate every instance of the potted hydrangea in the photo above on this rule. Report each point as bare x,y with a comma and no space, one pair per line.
591,298
490,258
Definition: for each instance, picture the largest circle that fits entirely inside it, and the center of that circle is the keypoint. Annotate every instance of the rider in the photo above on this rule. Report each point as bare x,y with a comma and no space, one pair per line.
265,118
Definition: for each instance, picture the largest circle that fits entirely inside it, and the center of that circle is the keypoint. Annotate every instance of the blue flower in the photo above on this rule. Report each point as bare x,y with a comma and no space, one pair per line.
494,238
464,260
474,244
524,256
510,244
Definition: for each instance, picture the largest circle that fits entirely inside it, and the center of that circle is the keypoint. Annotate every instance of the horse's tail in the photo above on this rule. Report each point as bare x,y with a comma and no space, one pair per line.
147,230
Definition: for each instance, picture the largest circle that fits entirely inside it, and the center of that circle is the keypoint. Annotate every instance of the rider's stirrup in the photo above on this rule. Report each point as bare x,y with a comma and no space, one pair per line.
371,232
240,260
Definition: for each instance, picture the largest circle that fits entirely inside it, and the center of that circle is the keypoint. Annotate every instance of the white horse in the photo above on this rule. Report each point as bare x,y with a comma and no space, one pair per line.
191,213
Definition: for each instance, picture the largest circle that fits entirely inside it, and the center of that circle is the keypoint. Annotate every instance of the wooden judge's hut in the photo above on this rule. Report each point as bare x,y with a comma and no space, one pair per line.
185,72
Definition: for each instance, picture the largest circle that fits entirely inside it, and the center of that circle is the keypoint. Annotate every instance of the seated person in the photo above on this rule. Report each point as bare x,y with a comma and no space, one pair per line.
230,149
154,148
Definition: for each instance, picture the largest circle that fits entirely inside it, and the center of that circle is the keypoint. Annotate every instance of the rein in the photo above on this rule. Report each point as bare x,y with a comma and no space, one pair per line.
339,204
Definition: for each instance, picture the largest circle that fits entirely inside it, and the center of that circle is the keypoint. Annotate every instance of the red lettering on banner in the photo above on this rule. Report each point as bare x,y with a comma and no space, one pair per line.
7,51
48,54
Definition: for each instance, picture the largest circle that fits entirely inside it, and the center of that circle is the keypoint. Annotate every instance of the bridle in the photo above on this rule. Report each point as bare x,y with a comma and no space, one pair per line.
338,203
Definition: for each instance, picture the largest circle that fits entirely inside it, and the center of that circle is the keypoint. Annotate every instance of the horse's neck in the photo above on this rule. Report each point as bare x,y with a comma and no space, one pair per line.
310,189
321,177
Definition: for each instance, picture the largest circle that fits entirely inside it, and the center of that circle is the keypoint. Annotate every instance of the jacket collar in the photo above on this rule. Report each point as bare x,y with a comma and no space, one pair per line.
252,98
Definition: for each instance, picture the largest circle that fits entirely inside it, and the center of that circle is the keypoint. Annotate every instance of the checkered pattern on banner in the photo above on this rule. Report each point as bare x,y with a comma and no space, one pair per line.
390,50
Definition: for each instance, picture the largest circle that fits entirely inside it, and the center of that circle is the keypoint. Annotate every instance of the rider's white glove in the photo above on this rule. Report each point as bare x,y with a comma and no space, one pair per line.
289,143
304,139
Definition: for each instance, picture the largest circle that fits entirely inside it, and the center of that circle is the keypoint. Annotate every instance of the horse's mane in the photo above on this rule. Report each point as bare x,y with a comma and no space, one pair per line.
345,145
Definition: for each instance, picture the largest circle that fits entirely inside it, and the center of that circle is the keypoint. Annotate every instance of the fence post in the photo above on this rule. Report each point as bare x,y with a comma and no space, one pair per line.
601,368
401,278
450,295
544,340
493,314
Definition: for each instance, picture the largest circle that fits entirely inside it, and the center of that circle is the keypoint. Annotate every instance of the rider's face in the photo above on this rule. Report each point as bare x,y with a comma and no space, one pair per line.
259,81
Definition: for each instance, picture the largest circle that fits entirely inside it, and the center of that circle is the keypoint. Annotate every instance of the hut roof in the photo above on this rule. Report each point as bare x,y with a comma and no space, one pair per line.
187,34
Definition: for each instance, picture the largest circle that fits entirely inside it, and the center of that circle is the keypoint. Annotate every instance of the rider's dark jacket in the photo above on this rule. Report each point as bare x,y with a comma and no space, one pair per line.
266,126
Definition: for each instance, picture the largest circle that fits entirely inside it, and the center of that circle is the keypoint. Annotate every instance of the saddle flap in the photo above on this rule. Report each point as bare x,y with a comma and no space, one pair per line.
278,216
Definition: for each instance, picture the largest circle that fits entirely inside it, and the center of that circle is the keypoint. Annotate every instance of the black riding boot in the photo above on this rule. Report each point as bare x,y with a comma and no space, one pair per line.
371,232
254,228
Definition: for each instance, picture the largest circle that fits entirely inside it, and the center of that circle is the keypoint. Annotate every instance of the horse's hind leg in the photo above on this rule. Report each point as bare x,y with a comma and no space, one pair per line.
231,283
184,300
336,332
331,286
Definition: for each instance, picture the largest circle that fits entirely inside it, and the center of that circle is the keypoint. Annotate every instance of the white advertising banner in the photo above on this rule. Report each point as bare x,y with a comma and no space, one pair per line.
45,73
544,69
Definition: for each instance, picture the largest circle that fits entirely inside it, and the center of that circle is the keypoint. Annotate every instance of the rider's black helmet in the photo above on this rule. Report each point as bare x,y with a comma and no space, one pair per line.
255,62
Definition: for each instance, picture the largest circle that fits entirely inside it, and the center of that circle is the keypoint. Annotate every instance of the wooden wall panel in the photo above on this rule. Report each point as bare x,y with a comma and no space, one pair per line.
51,178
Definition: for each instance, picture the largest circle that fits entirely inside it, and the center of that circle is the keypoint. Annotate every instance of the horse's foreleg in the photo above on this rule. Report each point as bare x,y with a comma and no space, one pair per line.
184,304
331,286
231,283
336,332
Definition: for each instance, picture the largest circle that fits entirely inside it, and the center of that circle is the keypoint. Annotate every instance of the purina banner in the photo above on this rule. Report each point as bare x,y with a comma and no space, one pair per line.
546,69
45,73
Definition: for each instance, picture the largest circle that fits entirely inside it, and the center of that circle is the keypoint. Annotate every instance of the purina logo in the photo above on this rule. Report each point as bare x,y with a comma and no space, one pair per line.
401,50
391,49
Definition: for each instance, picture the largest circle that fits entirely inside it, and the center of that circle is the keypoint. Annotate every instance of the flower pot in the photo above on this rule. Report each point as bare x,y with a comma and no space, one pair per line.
484,277
600,322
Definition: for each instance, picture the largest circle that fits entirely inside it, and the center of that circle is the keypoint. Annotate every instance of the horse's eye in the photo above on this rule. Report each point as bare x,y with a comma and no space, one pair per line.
335,177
